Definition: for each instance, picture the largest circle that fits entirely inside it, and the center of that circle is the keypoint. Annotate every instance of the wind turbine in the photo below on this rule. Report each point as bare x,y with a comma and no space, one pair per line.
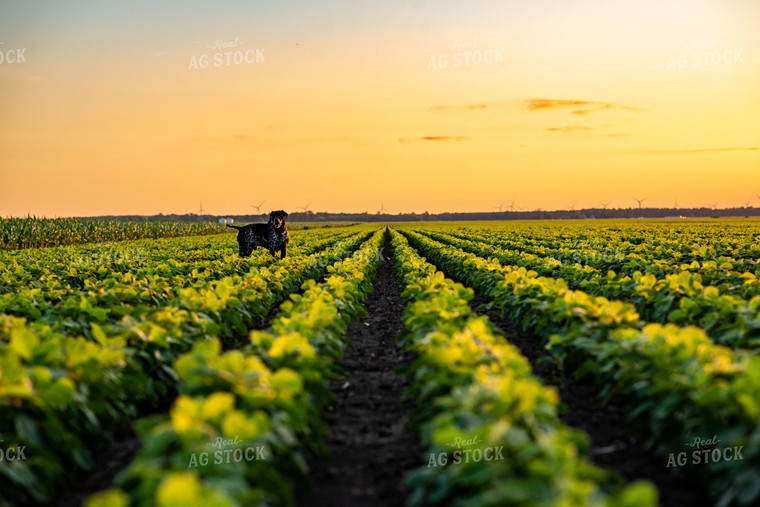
201,211
605,204
640,200
748,202
258,207
676,202
500,207
305,208
713,206
512,206
382,209
572,206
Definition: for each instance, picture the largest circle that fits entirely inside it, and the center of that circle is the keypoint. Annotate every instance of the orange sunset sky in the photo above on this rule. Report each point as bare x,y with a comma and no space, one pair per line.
425,106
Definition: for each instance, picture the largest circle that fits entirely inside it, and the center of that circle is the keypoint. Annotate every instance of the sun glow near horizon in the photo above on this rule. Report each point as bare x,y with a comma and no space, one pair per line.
113,111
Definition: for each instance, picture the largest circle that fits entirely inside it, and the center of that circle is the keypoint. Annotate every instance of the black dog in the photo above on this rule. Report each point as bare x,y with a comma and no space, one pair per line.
272,235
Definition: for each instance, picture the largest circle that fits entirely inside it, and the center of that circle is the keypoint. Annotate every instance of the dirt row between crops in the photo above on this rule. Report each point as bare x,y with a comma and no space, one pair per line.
615,443
372,450
368,440
369,443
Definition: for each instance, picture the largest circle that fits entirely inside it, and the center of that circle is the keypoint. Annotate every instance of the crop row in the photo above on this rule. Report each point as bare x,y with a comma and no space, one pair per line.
492,429
247,419
676,380
198,256
63,391
651,243
648,255
69,302
680,298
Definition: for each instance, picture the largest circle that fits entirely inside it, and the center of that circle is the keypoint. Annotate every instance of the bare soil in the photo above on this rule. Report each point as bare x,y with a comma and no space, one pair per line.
616,443
370,446
108,463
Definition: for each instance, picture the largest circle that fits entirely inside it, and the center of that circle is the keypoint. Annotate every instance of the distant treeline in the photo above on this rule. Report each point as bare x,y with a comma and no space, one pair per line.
446,217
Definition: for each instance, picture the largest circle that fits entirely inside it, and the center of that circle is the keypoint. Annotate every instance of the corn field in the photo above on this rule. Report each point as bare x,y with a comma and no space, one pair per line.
33,232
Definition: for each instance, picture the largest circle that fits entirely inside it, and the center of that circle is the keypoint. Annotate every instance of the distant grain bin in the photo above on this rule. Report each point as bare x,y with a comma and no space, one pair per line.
226,220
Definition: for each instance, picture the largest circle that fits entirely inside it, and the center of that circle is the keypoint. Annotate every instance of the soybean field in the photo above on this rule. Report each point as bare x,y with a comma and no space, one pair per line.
508,363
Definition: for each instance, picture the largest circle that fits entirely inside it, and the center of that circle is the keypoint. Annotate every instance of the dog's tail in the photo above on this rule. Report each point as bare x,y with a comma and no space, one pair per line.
233,226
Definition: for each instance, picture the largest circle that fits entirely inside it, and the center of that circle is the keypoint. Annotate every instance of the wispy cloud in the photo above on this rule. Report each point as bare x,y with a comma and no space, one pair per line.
606,105
536,104
434,138
445,138
571,128
589,111
469,107
700,150
588,106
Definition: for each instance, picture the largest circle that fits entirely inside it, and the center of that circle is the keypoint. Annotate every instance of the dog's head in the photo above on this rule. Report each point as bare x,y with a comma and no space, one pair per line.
277,218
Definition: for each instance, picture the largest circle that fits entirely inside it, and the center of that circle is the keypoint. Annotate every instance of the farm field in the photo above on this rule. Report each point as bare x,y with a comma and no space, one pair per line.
502,363
32,232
